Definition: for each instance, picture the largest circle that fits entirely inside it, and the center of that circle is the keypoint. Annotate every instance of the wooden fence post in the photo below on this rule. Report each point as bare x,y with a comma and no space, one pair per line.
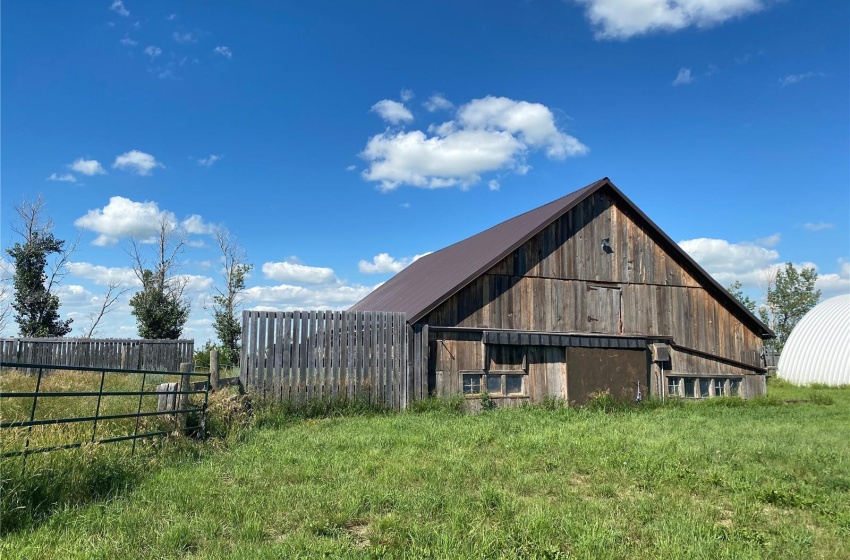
183,401
214,373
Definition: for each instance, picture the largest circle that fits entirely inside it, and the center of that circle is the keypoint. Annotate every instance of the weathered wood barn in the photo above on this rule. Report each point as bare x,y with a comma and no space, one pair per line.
582,295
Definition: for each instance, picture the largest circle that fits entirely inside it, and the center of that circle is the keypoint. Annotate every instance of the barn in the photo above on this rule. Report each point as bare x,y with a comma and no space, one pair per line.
579,296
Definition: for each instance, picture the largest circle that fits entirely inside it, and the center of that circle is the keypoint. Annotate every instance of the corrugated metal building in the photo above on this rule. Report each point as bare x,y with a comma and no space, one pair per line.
582,295
818,349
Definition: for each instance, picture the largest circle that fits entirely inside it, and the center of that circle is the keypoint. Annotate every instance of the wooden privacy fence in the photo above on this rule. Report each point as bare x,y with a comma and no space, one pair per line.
121,353
301,356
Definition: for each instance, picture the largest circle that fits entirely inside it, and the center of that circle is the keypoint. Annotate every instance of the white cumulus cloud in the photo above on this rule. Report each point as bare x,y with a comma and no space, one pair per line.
87,167
835,283
383,263
118,7
209,160
406,94
128,42
196,224
104,275
195,284
184,37
136,161
684,77
392,111
123,217
487,135
621,19
817,226
437,103
293,271
223,51
727,262
532,123
287,297
65,177
153,51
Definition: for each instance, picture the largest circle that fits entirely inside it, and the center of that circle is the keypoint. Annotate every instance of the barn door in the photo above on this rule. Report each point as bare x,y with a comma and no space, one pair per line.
603,309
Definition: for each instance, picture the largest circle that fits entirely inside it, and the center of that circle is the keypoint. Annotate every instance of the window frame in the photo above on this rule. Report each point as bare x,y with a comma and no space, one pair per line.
502,375
718,385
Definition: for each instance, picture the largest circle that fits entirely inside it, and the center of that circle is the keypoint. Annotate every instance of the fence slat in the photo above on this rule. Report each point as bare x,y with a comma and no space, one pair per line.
162,355
303,355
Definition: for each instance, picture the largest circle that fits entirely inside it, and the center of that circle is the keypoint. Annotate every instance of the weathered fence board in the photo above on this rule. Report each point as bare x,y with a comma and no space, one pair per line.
121,353
303,355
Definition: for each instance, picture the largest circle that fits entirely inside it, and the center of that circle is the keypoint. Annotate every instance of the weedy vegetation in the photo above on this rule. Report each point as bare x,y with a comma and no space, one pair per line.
725,478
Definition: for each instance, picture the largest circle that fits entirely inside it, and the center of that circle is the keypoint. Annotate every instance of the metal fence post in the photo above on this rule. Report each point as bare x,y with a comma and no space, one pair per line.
139,411
32,417
183,401
97,410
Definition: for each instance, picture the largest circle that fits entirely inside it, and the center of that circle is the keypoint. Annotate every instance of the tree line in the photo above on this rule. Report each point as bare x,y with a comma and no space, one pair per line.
160,306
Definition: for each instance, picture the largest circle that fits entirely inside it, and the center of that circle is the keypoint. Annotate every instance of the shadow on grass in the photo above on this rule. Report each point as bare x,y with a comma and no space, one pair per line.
49,482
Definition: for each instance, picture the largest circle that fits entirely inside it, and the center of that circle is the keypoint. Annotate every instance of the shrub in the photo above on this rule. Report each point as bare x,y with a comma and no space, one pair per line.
228,412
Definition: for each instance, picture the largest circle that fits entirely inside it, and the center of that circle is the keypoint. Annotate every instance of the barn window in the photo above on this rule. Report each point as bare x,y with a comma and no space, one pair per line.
690,383
734,387
494,384
513,384
674,386
471,383
704,388
719,387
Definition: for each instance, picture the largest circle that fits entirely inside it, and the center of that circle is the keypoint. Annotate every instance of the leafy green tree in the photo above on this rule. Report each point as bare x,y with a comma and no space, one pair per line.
160,308
790,294
36,306
227,300
737,293
159,312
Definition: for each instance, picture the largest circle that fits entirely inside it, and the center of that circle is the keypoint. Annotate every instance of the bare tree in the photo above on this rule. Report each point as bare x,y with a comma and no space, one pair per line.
227,300
160,307
113,294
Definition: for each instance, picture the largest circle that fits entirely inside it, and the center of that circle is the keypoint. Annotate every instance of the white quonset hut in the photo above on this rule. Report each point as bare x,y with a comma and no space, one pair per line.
818,349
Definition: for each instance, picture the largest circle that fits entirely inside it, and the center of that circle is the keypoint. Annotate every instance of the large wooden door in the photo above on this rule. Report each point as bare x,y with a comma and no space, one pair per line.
616,370
603,309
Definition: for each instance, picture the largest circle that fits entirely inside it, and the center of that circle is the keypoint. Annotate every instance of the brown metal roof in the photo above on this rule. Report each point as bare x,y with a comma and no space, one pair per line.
421,287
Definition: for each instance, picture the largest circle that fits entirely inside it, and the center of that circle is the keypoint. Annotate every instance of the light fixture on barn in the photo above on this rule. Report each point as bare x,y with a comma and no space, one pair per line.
606,245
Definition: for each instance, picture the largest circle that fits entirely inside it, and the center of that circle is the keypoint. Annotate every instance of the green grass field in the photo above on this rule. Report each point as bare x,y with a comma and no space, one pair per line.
717,479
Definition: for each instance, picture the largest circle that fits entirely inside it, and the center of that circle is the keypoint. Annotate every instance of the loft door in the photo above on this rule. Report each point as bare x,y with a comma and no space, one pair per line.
604,309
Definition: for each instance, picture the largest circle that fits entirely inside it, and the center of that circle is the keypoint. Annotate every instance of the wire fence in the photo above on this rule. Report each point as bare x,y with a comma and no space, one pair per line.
53,407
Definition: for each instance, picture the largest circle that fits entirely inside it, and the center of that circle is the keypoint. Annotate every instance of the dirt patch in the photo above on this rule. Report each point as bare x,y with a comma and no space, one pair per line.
358,532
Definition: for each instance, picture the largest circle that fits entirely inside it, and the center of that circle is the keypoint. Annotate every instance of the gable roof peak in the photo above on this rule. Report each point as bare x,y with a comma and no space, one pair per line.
429,281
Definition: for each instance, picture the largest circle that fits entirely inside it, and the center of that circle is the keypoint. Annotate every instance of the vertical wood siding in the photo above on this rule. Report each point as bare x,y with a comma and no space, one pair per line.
299,356
544,286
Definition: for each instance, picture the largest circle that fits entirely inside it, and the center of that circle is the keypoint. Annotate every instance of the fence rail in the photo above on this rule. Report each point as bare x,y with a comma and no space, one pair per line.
178,413
300,356
123,353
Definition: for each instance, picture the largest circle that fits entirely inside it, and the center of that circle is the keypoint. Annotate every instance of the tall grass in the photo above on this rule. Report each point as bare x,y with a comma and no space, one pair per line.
724,478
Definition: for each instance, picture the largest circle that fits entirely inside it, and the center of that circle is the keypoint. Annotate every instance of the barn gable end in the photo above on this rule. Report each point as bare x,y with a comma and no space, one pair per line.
591,293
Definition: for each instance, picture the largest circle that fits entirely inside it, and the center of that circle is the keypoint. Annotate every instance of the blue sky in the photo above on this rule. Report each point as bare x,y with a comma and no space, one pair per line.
338,141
